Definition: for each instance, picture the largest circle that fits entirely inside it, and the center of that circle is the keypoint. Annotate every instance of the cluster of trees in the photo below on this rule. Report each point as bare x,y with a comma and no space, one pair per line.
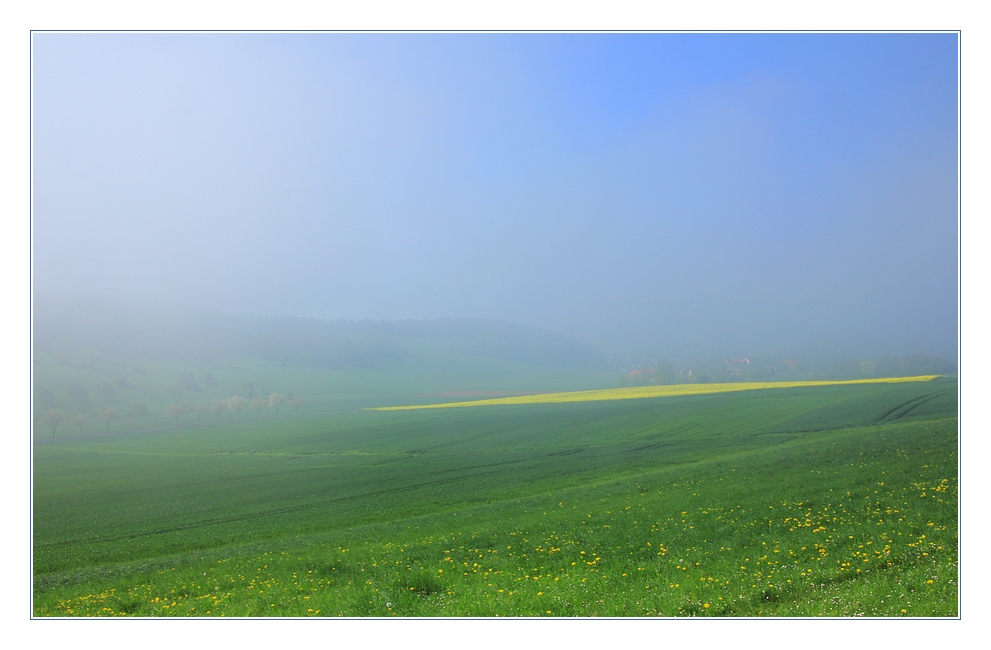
237,403
53,418
661,374
907,366
780,369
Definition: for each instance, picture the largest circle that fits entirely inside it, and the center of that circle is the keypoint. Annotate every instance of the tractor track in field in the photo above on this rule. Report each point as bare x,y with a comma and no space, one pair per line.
912,404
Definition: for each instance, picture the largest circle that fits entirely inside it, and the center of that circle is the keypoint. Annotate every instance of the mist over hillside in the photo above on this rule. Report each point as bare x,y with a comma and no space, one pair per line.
150,365
91,333
117,329
420,323
700,196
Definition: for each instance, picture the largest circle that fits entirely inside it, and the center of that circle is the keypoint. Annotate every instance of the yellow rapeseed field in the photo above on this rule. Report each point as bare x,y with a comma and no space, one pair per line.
640,392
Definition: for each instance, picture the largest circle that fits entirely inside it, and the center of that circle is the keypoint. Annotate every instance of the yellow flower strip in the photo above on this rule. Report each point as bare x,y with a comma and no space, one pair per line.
640,392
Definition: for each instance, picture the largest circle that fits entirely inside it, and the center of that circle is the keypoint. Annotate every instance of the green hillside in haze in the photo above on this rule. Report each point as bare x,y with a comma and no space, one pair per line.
812,501
91,358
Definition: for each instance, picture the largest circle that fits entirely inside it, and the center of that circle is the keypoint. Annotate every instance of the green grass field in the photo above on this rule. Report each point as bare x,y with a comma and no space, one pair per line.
811,501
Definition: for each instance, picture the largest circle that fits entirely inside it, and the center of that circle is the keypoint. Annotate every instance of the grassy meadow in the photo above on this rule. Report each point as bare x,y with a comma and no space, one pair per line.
829,500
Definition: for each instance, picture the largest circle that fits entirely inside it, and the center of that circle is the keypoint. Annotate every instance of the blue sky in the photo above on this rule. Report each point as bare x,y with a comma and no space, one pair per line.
680,193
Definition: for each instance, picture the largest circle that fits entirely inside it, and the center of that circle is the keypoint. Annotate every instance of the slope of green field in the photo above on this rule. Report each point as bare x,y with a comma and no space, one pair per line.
832,500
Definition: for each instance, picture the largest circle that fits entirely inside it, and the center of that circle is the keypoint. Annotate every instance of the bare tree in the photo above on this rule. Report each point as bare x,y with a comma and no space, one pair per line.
52,418
176,411
258,404
237,403
109,415
218,406
276,401
81,421
199,410
296,401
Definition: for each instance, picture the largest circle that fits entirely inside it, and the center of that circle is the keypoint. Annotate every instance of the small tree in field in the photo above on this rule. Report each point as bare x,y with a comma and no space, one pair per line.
296,401
81,421
276,401
218,406
109,415
176,411
258,404
52,418
236,404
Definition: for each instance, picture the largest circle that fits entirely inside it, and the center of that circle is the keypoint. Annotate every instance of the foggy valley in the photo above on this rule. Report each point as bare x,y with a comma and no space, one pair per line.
483,324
